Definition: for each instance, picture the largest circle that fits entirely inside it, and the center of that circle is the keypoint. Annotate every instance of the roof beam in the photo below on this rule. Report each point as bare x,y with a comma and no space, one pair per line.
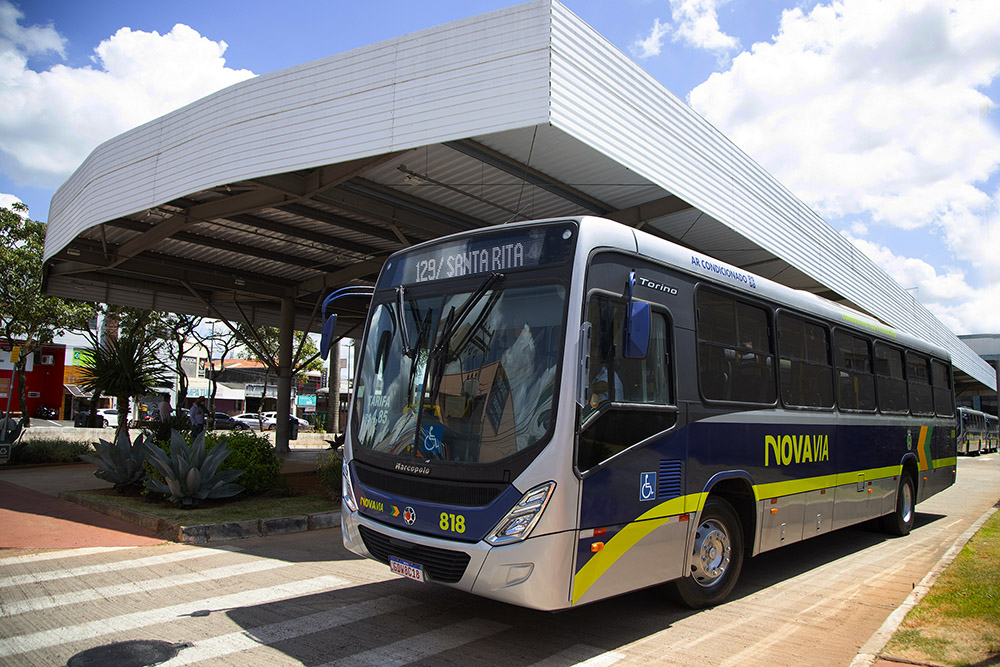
638,216
338,221
390,206
307,234
269,196
525,173
219,244
91,258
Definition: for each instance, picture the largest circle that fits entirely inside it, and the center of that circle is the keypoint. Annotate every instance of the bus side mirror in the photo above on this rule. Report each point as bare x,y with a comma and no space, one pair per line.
326,339
637,324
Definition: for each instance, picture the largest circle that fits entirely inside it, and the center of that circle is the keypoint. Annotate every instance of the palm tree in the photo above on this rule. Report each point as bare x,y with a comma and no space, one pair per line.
123,367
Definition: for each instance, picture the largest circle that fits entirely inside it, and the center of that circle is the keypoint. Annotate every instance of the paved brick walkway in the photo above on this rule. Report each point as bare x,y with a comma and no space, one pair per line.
30,519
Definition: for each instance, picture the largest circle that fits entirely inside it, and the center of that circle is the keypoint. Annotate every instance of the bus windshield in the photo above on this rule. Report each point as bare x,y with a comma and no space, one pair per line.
464,377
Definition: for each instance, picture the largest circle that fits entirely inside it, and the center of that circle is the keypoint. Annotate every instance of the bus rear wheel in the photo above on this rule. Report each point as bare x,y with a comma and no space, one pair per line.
716,558
900,521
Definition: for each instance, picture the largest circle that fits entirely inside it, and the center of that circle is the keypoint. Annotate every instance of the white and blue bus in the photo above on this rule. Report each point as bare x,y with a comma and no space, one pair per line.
973,434
554,412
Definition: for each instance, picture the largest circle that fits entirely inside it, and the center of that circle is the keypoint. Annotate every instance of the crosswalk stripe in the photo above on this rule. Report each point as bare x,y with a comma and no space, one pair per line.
132,587
581,654
83,570
424,645
60,553
92,630
236,642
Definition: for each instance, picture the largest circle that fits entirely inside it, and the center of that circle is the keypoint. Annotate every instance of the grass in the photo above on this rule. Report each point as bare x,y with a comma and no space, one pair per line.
310,499
958,621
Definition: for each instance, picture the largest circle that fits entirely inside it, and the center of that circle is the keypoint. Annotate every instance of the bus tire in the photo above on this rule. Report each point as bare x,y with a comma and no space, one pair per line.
900,521
716,558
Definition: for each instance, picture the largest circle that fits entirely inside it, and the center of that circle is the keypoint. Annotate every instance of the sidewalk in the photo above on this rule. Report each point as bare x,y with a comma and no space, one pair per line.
32,516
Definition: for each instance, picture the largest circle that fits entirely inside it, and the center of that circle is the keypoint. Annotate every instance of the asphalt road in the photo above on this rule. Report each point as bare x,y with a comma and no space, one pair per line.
302,599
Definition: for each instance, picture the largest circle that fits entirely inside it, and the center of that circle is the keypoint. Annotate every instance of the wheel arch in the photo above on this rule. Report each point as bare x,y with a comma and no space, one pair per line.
737,488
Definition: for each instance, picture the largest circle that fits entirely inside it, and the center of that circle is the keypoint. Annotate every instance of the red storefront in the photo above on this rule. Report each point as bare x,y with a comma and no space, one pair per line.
45,370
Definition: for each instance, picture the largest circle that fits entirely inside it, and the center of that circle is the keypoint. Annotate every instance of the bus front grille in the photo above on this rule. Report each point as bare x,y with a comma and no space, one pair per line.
438,491
439,564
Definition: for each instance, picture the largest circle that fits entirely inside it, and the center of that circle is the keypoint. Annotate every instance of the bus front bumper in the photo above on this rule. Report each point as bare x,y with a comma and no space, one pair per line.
535,573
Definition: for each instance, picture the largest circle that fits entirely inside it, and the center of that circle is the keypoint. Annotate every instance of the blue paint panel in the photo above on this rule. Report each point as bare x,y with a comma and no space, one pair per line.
707,448
474,525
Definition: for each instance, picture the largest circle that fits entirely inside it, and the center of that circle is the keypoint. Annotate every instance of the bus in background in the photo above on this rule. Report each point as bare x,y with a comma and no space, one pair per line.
554,412
972,433
992,433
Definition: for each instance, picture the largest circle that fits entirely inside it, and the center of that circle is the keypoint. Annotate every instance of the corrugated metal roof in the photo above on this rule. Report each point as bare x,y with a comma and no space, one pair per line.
301,180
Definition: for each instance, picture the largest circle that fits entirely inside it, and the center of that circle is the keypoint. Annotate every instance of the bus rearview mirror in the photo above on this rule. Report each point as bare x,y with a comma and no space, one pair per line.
637,330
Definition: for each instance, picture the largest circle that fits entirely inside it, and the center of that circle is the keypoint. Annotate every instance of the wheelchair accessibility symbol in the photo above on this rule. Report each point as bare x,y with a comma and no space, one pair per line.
430,441
647,486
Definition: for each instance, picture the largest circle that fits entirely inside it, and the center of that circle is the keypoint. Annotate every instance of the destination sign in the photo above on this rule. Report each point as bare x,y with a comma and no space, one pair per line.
489,252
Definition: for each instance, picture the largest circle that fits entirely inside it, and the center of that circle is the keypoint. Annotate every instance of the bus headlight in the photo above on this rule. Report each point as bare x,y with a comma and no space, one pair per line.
521,519
347,490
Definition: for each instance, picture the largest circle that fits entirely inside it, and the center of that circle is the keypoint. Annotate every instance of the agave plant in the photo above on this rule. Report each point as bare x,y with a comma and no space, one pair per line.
191,474
119,463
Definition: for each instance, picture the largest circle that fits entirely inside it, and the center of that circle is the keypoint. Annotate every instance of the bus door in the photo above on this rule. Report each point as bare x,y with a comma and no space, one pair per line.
632,469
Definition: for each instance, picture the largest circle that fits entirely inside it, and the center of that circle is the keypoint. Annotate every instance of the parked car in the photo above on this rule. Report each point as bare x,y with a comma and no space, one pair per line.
250,419
105,417
303,424
226,423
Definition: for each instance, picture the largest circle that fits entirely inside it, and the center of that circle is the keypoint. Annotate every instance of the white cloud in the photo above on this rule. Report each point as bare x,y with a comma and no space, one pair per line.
6,200
30,40
877,110
697,25
961,307
650,45
51,120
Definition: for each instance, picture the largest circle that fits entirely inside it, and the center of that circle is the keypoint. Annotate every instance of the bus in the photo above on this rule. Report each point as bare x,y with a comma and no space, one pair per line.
972,432
554,412
992,433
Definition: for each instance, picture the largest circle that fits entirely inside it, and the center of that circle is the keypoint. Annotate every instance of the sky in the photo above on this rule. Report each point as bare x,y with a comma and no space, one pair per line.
881,116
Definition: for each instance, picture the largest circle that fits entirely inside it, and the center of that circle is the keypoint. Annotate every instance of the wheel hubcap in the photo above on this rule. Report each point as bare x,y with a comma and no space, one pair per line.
907,504
712,553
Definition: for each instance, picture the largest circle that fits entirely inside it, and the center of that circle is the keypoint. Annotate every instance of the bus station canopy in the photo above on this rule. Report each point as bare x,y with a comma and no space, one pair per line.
274,191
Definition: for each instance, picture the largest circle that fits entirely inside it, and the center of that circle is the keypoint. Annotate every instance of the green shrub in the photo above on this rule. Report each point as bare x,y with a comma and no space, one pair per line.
191,473
34,452
329,469
121,463
253,454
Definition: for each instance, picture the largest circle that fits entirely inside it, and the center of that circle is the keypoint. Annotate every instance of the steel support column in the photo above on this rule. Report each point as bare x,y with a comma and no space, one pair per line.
285,334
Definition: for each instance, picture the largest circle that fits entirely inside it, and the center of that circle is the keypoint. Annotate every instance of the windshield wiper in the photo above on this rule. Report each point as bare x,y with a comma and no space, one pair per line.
439,355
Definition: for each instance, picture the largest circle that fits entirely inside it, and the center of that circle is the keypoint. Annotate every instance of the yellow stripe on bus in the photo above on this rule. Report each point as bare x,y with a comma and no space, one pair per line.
628,536
631,533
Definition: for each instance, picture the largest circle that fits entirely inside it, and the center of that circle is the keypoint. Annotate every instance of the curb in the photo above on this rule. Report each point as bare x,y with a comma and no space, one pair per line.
868,654
212,532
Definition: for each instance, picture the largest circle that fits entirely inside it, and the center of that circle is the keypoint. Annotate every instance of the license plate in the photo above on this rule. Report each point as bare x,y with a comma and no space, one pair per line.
409,570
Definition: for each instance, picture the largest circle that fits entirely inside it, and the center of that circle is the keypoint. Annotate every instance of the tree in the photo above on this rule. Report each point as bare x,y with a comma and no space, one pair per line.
124,366
222,342
29,319
176,330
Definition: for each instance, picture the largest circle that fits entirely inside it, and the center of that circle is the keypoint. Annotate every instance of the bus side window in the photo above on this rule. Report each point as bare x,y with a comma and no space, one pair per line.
806,377
918,381
735,362
944,397
890,382
856,382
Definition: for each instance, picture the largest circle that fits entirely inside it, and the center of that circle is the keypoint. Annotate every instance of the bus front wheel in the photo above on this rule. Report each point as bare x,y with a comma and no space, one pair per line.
716,558
900,521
